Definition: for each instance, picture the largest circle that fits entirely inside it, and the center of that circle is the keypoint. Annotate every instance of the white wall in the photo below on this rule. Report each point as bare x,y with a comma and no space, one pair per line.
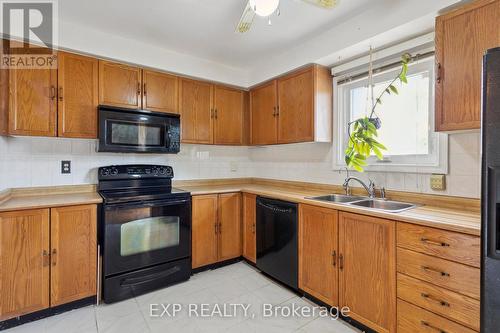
26,162
312,162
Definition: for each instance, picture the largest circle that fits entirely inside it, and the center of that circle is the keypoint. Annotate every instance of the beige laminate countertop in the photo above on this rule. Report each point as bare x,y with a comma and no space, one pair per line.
38,201
447,219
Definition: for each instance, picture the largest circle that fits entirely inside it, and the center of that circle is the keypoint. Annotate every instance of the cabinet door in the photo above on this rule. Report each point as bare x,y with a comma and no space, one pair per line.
73,254
204,233
120,85
296,107
161,92
33,105
249,236
24,258
229,226
196,109
77,96
318,251
263,114
367,264
228,125
462,37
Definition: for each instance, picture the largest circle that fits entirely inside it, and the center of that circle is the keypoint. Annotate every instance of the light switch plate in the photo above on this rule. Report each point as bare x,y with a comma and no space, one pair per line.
438,182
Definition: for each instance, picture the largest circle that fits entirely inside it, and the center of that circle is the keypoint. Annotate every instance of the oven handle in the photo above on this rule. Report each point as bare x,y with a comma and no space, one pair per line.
148,278
149,203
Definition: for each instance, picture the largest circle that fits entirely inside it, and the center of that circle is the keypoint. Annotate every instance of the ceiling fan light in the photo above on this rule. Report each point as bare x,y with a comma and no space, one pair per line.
264,7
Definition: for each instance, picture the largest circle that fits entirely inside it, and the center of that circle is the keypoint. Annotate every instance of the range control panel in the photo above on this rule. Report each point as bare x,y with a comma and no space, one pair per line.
135,171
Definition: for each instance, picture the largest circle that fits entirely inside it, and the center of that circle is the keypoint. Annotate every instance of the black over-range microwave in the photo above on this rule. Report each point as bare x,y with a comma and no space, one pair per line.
138,131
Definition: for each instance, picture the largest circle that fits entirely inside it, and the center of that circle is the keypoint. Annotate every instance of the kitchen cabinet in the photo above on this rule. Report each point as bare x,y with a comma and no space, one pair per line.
228,116
318,250
216,233
33,102
73,232
211,114
120,85
263,114
49,258
462,37
196,109
24,254
249,227
4,92
230,241
296,107
78,98
367,270
160,92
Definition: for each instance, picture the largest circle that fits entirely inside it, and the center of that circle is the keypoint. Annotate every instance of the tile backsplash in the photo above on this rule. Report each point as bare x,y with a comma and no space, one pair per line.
34,161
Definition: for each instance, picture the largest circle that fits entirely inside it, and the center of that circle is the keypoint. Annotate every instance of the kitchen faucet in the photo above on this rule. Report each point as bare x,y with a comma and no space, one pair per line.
370,189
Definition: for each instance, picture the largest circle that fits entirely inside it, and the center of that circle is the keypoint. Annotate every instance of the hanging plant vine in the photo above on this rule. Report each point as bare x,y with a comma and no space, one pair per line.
363,137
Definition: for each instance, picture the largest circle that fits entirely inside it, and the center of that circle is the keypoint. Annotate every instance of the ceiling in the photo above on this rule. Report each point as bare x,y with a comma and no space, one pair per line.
205,28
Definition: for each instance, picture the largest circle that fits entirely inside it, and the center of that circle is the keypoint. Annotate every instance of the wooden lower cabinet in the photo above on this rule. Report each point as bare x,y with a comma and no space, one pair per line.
318,249
367,270
249,227
48,257
73,233
216,233
24,261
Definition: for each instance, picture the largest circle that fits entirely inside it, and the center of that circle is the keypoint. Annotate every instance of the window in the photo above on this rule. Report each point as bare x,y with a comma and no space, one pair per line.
407,120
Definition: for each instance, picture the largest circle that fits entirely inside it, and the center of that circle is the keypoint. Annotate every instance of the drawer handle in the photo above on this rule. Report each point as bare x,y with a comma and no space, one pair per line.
429,297
433,242
426,268
426,324
341,262
334,258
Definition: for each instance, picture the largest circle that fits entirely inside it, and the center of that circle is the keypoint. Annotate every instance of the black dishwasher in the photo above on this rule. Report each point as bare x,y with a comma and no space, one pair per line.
277,252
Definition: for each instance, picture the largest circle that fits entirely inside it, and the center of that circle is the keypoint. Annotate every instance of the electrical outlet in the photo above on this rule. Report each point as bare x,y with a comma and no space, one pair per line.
65,167
438,182
233,166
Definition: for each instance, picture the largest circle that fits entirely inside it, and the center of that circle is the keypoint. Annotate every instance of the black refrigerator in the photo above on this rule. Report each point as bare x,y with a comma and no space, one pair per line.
490,247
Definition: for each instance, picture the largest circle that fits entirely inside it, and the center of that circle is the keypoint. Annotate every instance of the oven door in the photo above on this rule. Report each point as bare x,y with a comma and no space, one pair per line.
127,131
145,234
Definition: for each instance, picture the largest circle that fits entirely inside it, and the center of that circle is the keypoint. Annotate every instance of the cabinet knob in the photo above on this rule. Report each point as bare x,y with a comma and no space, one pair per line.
341,262
439,74
334,258
61,94
54,257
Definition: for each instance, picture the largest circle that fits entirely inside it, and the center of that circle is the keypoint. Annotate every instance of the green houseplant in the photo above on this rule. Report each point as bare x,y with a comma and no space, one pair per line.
363,132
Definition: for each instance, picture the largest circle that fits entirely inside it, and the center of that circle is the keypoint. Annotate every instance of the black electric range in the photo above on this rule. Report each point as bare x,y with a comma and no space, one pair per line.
145,230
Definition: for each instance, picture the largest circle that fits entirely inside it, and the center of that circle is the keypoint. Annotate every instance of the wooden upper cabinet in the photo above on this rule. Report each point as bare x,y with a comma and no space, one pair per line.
249,227
263,114
73,254
120,85
228,114
230,242
196,109
24,255
318,253
462,37
77,96
367,270
296,107
204,230
160,92
33,102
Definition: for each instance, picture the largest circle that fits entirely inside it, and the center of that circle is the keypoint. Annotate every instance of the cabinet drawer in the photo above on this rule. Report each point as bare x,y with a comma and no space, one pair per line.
412,319
451,275
449,245
451,305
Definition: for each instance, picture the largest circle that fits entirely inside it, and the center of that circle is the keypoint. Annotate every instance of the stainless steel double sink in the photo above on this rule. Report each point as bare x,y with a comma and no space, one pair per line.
366,202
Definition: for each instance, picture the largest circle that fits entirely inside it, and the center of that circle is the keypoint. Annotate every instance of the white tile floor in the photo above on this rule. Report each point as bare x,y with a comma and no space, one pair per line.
235,284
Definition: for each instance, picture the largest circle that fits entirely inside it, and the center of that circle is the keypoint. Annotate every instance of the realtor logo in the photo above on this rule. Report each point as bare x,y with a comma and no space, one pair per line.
31,27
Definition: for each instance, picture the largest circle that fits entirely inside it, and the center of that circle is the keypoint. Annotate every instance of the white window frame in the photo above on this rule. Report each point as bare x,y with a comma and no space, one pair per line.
436,162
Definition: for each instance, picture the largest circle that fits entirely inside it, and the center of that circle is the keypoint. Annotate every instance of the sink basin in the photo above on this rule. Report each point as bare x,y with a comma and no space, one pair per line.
339,198
388,206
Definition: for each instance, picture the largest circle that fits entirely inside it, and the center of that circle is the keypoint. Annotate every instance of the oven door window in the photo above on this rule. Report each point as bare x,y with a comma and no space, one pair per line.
135,134
149,234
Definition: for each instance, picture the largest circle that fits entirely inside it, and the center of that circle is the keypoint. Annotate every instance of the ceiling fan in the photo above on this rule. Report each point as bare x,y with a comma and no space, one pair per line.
266,8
